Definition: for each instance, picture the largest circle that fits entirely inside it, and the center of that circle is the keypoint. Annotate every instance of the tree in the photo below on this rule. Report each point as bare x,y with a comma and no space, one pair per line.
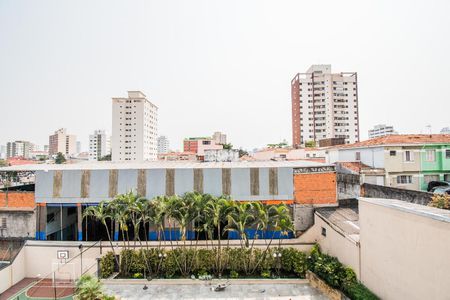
227,146
101,213
60,159
242,152
310,144
107,157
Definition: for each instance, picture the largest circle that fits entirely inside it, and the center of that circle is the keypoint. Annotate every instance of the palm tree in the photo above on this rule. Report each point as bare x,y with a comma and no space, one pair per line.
101,213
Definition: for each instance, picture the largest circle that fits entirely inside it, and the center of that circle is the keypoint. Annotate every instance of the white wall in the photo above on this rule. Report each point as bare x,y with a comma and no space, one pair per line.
14,273
337,244
404,249
373,157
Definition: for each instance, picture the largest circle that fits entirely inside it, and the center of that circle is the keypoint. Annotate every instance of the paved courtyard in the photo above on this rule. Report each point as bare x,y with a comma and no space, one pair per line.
203,291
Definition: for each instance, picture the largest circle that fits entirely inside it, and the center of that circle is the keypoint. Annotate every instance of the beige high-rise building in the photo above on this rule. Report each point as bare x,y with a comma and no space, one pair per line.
134,128
62,142
324,105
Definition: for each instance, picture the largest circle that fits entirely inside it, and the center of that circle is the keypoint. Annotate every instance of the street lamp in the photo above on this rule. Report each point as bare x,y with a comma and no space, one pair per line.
277,256
81,258
161,256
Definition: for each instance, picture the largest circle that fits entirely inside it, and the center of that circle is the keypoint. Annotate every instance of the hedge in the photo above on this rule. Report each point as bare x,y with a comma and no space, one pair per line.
237,262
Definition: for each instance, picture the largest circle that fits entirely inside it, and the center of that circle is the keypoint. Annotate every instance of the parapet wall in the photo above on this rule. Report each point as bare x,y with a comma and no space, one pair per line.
378,191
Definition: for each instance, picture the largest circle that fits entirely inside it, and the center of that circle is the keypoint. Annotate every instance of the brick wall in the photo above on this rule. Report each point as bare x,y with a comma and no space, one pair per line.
315,188
17,199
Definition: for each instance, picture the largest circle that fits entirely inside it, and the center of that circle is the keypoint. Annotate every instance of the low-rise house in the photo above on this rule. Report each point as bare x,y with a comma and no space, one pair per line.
409,161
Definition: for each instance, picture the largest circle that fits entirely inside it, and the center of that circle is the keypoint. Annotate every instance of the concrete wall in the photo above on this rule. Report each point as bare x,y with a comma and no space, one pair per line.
348,186
404,249
385,192
19,224
13,273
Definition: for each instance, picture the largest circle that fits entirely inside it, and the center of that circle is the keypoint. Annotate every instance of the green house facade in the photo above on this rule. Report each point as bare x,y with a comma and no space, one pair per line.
435,163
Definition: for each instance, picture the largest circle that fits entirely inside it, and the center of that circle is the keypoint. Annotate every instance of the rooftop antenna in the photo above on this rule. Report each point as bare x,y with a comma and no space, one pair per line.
429,129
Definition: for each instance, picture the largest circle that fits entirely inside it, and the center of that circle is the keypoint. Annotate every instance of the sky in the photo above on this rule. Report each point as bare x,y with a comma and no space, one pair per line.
217,65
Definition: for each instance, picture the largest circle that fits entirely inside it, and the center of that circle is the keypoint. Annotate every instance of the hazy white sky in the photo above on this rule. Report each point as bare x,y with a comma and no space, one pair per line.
217,65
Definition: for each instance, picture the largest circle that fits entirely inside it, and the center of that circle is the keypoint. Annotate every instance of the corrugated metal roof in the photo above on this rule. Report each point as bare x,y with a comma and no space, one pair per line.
103,165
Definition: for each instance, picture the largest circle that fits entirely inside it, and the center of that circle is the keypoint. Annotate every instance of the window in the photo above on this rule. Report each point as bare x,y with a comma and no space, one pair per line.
446,177
430,155
404,179
428,178
392,153
358,156
447,153
3,223
409,155
324,231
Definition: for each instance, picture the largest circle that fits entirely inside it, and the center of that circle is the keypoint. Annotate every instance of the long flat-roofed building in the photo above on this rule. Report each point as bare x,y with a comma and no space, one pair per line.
66,190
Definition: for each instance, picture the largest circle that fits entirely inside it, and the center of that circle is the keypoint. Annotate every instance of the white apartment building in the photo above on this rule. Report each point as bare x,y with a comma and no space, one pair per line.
18,149
134,128
219,138
163,144
381,130
324,105
99,145
62,142
445,130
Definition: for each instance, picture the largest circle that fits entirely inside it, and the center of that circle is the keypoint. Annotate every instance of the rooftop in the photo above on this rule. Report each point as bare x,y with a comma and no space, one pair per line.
344,218
105,165
401,139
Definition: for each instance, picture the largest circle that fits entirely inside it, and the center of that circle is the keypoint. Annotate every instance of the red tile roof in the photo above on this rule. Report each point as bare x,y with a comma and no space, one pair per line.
401,139
354,166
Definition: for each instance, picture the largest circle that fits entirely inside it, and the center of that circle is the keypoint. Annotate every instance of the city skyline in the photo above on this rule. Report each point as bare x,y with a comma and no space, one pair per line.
237,53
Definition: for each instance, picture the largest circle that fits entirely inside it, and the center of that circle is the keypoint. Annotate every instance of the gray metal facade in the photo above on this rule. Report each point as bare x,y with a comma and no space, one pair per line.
66,186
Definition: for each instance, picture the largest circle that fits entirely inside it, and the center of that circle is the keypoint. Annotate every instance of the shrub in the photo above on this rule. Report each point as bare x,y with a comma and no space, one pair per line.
440,201
358,291
89,288
338,276
138,275
107,265
265,274
234,274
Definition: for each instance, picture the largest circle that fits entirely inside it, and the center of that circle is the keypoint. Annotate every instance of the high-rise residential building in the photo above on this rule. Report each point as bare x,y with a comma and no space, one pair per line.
324,105
62,142
18,149
381,130
134,128
99,145
219,138
163,144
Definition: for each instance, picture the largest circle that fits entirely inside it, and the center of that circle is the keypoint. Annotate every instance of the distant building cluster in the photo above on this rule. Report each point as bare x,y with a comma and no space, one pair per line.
381,130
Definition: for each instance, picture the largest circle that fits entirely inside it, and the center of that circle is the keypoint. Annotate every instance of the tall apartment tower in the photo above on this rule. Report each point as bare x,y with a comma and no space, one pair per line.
99,145
134,128
324,105
62,142
163,144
